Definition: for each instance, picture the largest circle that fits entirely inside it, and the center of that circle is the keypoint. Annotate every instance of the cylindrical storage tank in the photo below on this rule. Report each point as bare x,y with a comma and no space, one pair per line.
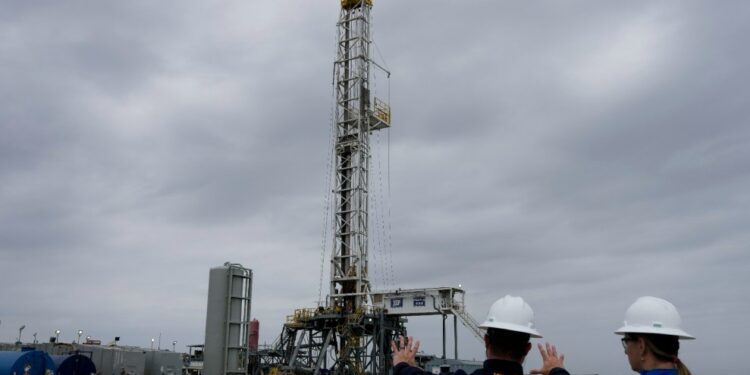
254,335
74,364
216,311
32,362
227,319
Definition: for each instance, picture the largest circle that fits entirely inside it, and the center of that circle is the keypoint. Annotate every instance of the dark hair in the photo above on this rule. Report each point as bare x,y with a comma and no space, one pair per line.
665,348
509,343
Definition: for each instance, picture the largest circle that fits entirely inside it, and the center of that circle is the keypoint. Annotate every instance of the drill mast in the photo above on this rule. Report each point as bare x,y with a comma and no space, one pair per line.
347,336
355,120
351,334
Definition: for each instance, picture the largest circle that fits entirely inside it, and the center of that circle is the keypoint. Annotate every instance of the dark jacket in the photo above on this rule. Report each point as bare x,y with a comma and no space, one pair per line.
496,367
491,367
404,368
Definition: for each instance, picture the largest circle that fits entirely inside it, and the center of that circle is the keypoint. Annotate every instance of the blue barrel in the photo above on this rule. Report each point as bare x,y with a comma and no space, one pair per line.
33,362
74,364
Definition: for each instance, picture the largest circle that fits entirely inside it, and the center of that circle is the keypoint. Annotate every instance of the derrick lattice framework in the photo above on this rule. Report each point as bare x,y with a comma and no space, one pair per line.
351,333
350,285
347,336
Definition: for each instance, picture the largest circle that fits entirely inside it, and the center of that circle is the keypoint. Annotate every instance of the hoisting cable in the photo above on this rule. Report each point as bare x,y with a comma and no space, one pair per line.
327,202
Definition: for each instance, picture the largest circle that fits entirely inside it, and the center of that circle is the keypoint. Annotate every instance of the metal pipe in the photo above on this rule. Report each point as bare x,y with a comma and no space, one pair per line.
455,336
444,317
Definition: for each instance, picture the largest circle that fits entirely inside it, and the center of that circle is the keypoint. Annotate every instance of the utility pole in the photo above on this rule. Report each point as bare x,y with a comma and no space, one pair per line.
20,331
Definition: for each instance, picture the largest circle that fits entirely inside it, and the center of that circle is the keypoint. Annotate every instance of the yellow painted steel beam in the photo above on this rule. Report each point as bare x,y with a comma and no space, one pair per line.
348,4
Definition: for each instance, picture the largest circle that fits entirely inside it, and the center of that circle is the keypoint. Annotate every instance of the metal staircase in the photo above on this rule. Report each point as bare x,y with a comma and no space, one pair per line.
469,322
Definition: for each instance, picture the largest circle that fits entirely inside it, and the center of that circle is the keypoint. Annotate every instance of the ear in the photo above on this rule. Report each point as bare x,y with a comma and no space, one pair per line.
486,341
641,346
528,347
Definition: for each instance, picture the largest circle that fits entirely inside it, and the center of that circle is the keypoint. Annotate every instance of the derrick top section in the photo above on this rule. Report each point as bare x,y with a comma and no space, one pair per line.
349,4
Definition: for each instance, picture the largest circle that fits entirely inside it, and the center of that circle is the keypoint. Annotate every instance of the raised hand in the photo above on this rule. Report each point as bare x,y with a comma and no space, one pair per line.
405,351
550,359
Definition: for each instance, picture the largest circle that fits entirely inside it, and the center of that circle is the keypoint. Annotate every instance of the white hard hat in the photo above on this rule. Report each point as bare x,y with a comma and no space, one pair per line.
655,316
512,314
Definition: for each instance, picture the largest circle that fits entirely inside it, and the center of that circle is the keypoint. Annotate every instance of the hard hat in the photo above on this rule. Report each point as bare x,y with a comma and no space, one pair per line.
655,316
513,314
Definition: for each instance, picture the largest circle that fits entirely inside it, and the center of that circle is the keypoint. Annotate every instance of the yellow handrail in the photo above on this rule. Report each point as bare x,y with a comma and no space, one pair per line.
348,4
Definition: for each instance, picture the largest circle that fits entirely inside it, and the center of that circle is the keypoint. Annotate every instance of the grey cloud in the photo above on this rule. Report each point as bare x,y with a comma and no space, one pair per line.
578,155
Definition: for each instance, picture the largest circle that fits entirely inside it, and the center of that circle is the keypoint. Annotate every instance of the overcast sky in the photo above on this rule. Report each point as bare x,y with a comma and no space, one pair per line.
577,153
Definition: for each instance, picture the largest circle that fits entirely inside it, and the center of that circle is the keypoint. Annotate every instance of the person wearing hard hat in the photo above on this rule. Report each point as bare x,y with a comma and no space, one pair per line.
510,326
651,335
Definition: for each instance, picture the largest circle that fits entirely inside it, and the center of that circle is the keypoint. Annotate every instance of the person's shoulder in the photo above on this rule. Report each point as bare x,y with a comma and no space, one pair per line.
559,371
404,368
479,371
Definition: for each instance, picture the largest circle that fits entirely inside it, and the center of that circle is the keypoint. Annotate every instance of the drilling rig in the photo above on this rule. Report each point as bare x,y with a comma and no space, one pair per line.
347,335
351,333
